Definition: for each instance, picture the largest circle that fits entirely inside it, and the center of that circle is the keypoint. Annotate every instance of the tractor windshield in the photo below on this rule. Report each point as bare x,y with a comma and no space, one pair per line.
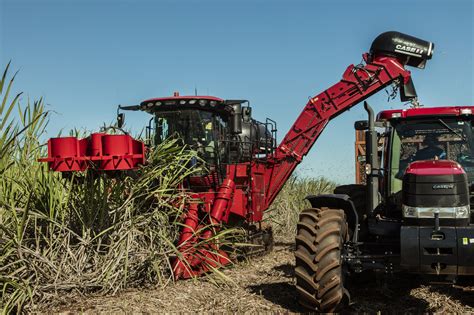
197,128
446,138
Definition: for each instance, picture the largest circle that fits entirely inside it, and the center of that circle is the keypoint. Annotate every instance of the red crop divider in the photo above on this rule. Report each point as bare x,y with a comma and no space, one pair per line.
99,151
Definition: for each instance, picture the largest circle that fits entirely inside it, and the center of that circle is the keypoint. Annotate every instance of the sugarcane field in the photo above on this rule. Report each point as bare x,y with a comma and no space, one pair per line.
236,157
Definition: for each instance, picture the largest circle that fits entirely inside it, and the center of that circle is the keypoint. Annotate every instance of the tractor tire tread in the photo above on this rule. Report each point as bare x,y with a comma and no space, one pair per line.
319,280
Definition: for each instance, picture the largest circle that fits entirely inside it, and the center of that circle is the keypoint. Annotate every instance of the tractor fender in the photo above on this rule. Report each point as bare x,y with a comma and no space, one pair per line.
338,201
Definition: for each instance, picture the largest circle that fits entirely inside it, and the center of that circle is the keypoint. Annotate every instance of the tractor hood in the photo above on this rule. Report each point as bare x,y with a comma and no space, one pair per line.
435,186
434,167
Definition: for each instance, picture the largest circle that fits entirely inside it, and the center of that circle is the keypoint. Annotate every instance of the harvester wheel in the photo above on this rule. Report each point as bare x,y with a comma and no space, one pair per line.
319,271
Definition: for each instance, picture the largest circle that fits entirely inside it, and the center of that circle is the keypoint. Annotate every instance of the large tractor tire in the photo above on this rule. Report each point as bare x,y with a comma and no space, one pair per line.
319,268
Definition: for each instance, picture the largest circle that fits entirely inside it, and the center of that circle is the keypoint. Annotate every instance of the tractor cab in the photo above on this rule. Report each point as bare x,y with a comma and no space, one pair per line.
420,134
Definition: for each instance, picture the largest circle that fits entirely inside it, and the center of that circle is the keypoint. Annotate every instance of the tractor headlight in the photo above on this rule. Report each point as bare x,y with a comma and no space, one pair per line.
444,213
463,212
409,212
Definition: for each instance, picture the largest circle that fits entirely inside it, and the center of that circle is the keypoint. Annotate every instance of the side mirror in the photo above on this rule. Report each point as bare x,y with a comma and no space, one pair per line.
361,125
120,120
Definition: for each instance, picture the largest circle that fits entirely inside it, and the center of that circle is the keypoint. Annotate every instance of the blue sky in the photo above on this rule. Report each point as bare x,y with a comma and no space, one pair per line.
85,57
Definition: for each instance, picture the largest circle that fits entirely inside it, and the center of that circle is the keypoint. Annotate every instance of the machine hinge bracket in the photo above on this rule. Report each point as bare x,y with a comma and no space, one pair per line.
291,153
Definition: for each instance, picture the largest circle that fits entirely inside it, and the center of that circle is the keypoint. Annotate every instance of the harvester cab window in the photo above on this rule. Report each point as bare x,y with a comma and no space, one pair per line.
220,135
196,128
443,139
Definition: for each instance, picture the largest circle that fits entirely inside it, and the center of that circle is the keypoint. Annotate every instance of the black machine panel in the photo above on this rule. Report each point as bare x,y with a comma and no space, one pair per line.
449,250
413,50
435,191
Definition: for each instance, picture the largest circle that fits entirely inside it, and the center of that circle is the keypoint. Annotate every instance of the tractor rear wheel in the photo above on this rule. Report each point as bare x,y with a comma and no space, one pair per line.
319,272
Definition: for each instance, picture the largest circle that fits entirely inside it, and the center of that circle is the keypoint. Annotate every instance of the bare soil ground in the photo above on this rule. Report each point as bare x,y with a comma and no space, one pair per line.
265,284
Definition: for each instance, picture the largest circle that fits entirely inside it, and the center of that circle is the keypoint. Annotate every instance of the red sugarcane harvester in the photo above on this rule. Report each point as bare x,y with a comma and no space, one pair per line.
413,214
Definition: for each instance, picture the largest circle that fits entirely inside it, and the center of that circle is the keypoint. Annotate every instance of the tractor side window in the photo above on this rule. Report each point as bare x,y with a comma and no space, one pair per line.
395,180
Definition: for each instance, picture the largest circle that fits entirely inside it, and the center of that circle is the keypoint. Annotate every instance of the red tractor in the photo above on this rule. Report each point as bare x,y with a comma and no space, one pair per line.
413,214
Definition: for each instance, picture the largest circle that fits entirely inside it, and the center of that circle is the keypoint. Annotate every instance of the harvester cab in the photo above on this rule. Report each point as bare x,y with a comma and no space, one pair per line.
222,132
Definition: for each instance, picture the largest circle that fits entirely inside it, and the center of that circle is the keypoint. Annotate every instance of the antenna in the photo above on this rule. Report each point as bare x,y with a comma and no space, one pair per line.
195,91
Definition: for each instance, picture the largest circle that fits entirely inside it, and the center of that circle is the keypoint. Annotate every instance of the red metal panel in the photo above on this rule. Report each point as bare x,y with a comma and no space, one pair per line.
357,84
64,147
241,170
239,204
95,146
116,145
117,153
435,167
177,98
100,151
66,154
259,187
422,111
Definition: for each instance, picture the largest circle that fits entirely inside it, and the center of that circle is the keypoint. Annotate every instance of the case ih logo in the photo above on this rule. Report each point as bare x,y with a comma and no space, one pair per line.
443,186
410,50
